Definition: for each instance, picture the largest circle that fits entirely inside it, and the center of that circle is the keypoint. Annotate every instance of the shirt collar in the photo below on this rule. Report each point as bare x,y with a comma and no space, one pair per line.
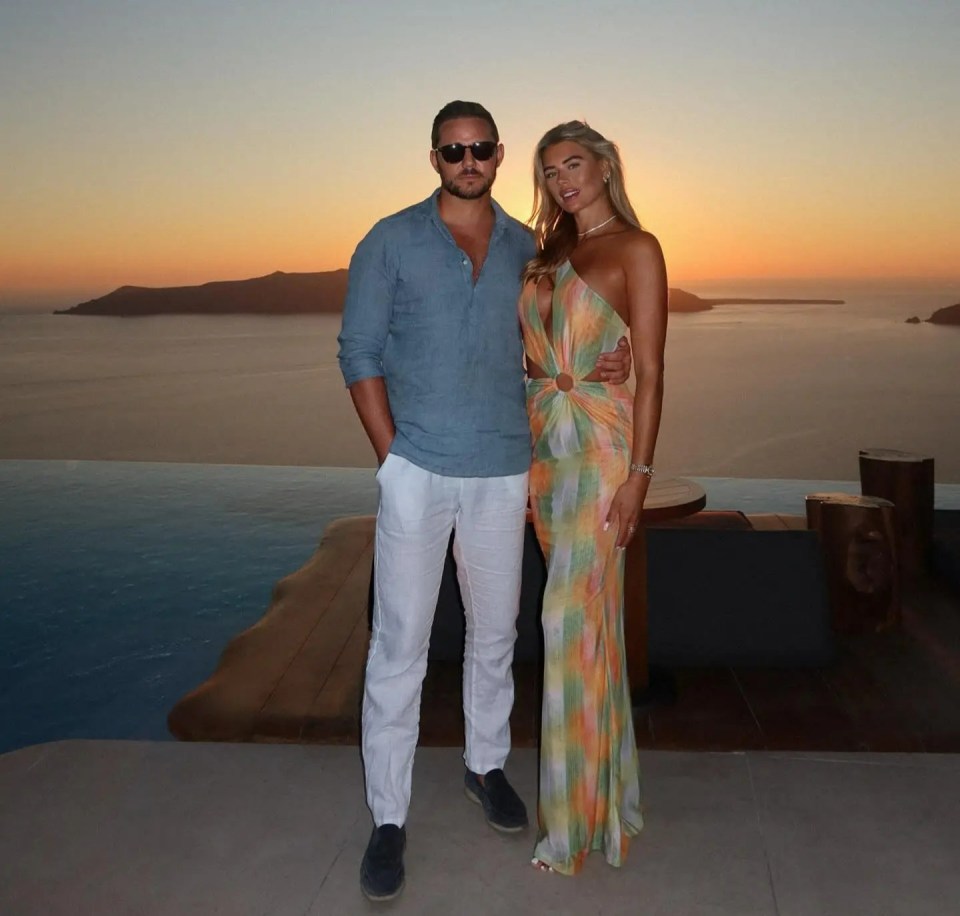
431,205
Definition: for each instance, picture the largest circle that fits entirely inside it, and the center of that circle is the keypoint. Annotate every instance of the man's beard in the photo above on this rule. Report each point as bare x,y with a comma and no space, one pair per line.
471,193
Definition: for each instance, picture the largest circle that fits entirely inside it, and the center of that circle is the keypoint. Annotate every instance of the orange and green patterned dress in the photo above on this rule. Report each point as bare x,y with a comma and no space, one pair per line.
582,438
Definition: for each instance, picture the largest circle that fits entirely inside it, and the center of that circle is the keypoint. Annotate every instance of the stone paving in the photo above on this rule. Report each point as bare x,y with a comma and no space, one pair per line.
95,827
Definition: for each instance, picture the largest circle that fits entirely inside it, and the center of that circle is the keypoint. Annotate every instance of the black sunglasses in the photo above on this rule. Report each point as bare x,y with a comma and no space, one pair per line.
482,150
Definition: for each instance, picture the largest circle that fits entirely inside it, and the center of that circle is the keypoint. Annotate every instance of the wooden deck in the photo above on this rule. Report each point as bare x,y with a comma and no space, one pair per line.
296,676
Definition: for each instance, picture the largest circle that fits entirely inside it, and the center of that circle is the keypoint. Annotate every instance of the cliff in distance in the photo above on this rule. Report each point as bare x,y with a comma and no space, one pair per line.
276,294
281,293
948,315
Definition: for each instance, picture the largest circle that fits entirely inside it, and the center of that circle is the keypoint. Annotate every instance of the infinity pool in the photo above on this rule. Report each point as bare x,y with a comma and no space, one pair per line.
120,583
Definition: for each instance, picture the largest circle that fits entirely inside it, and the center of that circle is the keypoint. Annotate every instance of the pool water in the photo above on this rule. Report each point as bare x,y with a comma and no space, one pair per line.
121,583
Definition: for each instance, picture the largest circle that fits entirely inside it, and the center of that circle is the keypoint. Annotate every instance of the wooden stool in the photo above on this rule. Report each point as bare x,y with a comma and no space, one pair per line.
907,481
858,537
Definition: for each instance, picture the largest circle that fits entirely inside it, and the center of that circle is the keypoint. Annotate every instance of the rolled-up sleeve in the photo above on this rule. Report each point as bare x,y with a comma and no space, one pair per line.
366,311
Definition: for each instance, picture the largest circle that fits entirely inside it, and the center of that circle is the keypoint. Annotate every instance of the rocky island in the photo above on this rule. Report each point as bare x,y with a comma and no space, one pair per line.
948,315
278,293
282,293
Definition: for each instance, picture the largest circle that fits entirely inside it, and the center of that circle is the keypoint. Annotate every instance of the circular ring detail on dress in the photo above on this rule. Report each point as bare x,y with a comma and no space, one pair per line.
564,381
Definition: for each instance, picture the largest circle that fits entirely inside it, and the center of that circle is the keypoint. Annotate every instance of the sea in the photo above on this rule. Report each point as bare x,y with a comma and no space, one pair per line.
158,476
780,391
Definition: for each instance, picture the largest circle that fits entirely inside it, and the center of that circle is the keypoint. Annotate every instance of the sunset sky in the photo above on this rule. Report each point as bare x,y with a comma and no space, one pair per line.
179,142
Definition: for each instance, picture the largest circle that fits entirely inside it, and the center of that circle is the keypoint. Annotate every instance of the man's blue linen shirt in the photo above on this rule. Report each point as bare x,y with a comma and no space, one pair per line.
449,351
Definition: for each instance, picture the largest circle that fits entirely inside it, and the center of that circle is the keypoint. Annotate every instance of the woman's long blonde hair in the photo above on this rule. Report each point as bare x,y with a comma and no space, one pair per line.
554,229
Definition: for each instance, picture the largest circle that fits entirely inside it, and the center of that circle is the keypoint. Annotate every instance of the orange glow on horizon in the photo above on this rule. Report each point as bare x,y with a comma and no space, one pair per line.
707,232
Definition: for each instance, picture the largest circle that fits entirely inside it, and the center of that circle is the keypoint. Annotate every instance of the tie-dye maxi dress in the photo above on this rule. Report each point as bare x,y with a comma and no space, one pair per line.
582,437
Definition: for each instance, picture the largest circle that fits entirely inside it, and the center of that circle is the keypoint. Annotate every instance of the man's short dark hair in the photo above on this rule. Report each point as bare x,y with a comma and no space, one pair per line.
459,109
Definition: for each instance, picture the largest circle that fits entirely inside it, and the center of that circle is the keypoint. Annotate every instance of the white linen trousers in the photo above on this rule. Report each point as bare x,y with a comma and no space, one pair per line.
418,510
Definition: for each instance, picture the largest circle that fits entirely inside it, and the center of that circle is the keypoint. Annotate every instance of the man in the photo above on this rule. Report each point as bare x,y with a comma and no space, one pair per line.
430,349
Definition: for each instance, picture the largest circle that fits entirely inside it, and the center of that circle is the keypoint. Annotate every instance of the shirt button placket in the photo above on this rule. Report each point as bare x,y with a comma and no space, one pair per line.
468,279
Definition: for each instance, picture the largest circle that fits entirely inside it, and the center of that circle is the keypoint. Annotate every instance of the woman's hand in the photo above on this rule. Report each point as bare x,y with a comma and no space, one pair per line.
626,508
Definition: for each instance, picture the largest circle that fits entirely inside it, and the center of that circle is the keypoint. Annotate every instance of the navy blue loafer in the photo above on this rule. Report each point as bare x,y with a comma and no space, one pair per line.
381,872
504,809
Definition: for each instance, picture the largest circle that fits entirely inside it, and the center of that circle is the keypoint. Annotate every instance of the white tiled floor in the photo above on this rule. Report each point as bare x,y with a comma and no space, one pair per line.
109,828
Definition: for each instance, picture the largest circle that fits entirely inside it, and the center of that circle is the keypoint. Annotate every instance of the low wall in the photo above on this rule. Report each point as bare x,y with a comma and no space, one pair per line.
715,597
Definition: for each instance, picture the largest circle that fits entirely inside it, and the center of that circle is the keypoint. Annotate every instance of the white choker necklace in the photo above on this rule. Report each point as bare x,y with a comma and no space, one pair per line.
587,232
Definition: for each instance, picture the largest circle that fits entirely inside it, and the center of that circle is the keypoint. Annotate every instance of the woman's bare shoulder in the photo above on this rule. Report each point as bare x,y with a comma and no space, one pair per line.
639,243
639,252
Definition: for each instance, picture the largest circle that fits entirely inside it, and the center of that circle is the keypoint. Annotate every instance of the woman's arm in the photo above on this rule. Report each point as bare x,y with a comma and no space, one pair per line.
646,285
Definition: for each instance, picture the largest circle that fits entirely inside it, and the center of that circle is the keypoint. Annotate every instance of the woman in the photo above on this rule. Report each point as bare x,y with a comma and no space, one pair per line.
596,275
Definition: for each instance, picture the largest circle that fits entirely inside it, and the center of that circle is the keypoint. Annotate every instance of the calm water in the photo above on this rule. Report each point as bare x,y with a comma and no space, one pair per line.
752,391
796,391
120,584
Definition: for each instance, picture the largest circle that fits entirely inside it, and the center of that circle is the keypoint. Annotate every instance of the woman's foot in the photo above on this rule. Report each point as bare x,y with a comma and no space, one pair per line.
540,866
